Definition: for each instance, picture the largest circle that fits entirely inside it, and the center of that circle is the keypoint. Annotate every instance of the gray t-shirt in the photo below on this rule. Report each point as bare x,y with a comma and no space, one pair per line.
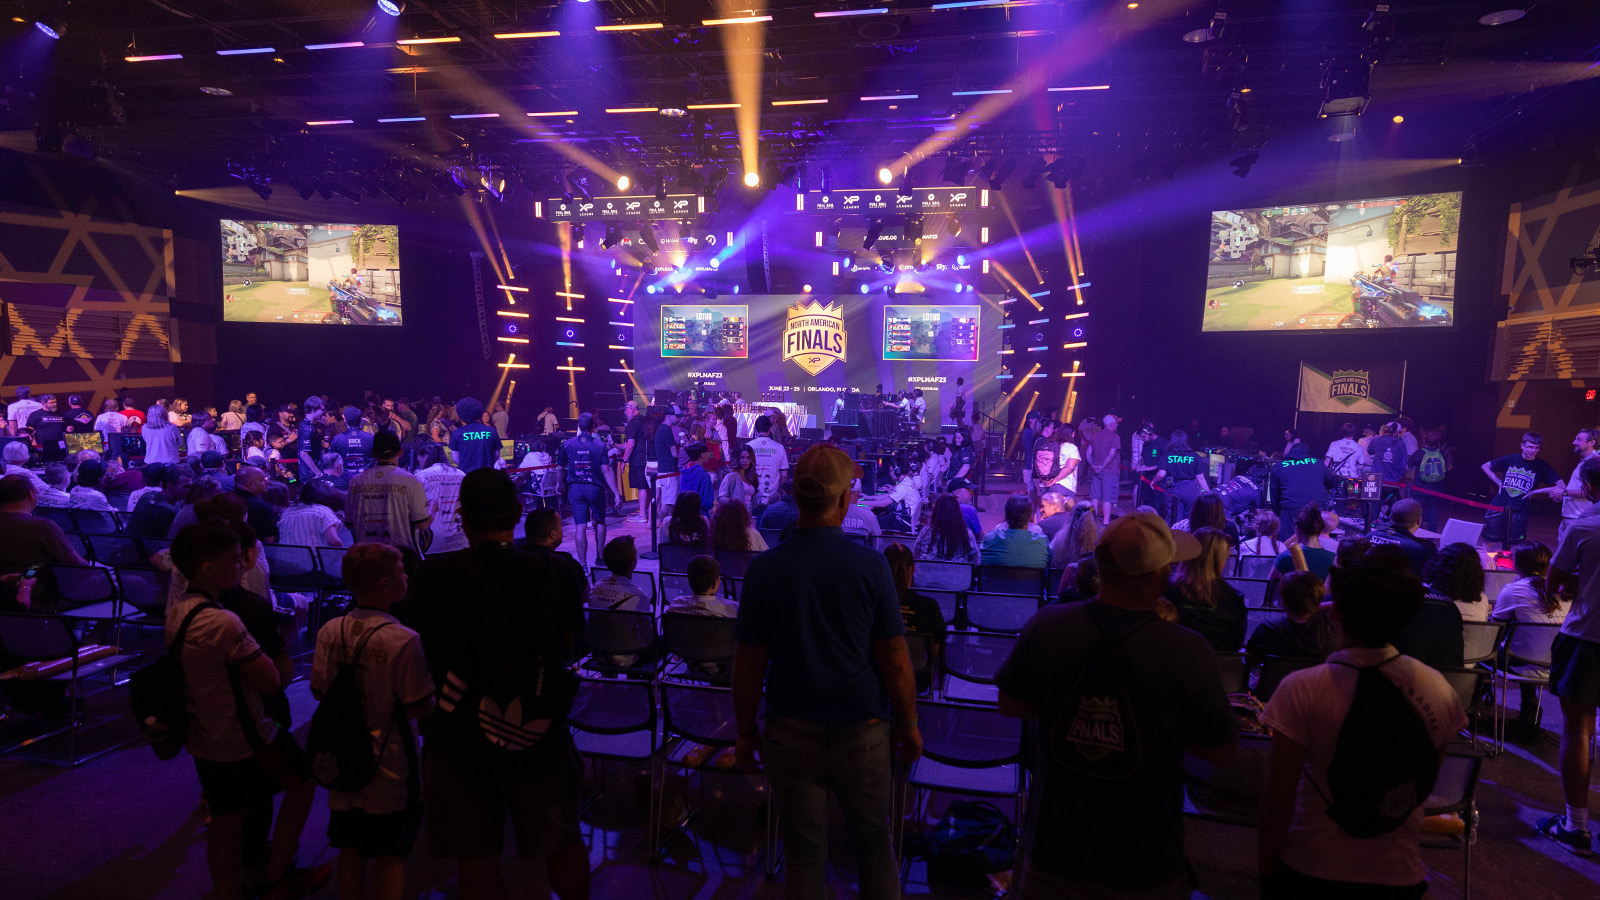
1125,832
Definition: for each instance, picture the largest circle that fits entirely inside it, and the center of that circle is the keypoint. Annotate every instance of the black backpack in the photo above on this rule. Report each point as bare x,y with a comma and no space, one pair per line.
970,841
1095,731
159,695
340,739
504,699
1384,761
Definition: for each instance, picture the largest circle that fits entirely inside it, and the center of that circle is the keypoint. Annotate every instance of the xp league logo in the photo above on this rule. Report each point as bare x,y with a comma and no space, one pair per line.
1349,386
814,337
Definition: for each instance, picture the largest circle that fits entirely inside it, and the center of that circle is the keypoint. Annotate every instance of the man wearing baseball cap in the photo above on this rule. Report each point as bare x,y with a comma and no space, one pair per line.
1119,695
820,633
583,462
386,503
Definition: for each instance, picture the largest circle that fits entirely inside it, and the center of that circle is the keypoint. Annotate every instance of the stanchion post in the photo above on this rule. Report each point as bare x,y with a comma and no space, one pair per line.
654,551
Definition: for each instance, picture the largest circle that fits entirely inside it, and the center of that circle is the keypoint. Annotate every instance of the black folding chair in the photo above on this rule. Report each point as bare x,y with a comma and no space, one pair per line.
969,750
1018,580
1000,612
29,637
85,593
97,520
971,659
59,515
293,568
675,557
941,575
704,644
621,642
116,550
616,719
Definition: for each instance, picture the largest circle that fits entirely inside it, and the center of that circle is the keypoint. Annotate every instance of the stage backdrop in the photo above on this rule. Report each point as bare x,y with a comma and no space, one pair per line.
805,348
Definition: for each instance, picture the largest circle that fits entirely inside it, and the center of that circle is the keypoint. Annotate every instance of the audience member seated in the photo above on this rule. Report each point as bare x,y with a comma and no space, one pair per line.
86,493
248,486
1405,517
1309,527
1435,635
946,538
1263,539
1455,573
1014,543
919,612
705,581
1080,581
1206,603
962,490
199,489
1304,851
25,539
899,509
686,525
57,480
254,575
1527,600
311,520
152,516
120,479
1303,631
16,459
332,466
1209,512
731,529
542,534
617,590
1077,539
781,513
211,467
1054,513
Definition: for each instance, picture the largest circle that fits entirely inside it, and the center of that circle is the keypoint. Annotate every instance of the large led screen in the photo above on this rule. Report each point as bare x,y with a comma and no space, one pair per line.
706,332
930,332
1388,262
310,274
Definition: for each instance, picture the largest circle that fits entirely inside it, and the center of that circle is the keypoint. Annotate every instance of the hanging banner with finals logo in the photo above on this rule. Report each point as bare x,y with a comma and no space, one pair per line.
1372,390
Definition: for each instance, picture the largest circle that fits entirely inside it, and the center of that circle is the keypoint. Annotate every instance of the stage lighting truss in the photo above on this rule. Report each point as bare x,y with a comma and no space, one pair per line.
1582,264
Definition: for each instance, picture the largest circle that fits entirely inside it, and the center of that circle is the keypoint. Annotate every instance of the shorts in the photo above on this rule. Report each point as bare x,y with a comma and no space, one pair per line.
636,479
374,835
1575,670
667,490
467,816
232,787
588,501
1104,486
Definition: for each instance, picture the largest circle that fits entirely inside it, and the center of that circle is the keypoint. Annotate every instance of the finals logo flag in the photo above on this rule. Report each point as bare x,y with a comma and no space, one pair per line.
1349,386
814,336
1374,390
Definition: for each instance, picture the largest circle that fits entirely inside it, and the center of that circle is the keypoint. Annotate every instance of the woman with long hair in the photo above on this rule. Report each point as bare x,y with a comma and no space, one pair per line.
919,612
233,419
732,529
1455,573
686,525
780,428
160,436
1077,539
1306,551
1206,602
1527,600
946,537
1264,537
740,481
1208,512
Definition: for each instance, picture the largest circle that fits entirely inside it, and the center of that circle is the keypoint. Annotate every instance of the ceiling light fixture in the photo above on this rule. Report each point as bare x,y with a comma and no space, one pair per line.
848,12
956,169
742,20
392,7
1211,32
797,102
336,46
557,112
52,27
448,39
246,51
332,122
638,26
1501,13
885,175
613,237
215,91
518,35
713,106
874,229
624,182
891,97
153,58
752,180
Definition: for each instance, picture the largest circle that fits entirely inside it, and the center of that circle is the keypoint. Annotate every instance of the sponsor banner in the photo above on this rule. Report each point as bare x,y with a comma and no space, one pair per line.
814,336
1357,389
624,209
889,200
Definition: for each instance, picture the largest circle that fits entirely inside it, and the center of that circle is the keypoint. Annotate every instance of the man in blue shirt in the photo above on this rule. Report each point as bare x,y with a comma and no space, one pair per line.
666,441
475,444
583,459
353,444
308,439
696,478
820,633
1015,542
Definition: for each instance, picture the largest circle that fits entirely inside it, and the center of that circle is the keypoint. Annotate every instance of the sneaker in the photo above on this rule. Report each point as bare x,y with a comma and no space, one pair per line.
1555,828
638,519
299,883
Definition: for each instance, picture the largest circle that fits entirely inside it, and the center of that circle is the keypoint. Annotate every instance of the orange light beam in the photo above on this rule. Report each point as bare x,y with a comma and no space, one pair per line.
743,48
1010,279
1016,229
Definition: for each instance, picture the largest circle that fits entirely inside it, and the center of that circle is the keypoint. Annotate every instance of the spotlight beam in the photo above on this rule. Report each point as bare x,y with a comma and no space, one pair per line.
743,46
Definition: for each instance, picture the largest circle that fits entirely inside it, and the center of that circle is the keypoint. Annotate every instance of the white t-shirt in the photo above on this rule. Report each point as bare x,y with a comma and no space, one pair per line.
1069,480
391,670
160,443
771,461
200,441
1346,458
617,593
382,504
306,525
216,639
861,521
703,605
17,413
1573,507
443,486
1519,601
1309,708
110,423
88,498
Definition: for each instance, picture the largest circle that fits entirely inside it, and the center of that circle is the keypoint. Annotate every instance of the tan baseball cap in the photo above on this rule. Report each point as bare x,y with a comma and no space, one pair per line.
1141,543
824,472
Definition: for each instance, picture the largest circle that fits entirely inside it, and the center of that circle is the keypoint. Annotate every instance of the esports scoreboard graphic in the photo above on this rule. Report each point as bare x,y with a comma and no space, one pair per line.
708,332
931,333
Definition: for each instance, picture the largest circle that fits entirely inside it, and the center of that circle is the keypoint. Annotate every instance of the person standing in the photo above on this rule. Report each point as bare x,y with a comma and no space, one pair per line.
1346,457
1298,481
1183,474
1387,453
1573,503
110,424
474,443
772,460
1152,455
821,636
160,437
1118,695
583,459
1105,464
49,429
309,437
958,407
1430,465
501,420
1519,476
633,452
79,420
497,622
18,412
664,442
548,423
353,444
442,484
386,503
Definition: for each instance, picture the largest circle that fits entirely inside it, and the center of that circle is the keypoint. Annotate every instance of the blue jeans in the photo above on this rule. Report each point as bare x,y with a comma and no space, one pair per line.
805,761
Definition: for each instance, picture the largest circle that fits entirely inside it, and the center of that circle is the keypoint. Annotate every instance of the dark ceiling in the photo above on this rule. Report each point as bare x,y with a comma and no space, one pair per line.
1460,82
